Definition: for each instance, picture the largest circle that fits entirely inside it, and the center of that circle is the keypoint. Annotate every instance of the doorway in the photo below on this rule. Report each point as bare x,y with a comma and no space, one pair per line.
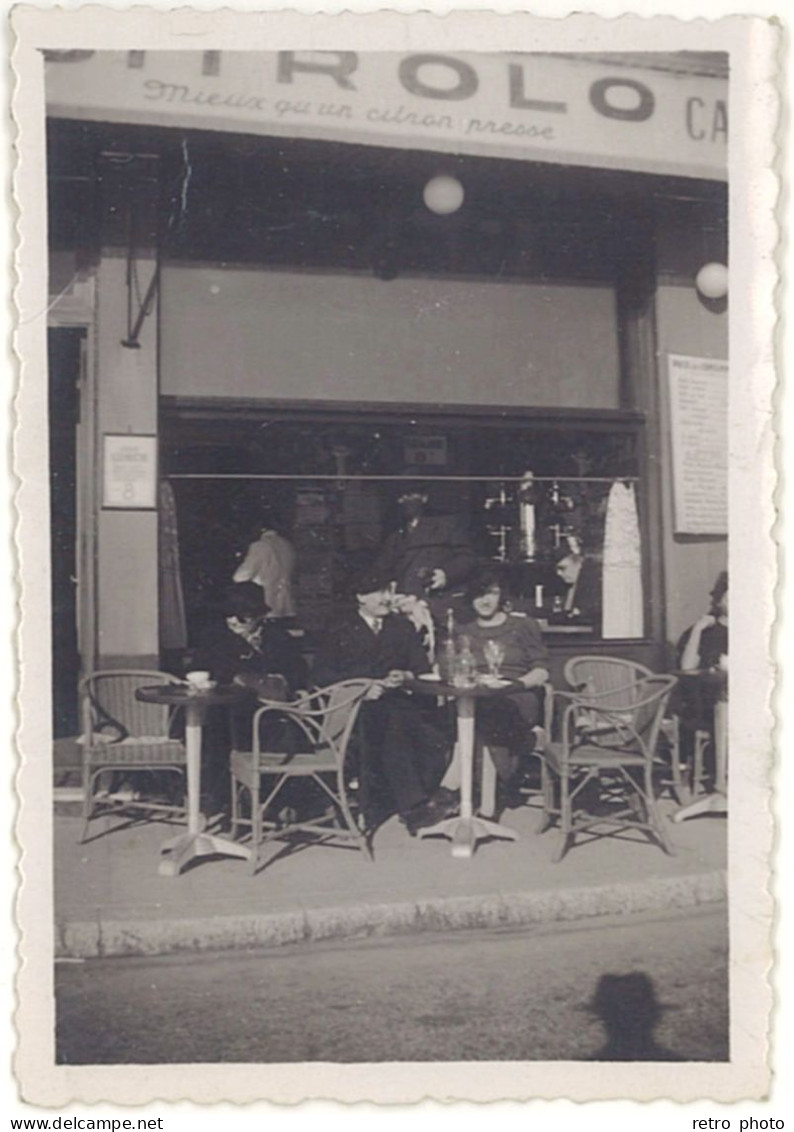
64,356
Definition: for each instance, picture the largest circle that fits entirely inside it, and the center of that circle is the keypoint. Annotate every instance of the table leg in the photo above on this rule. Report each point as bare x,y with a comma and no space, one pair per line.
707,804
721,746
195,843
467,829
487,782
717,802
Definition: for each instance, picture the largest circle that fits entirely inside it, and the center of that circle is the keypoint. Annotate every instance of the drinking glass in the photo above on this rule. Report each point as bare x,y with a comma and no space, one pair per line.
494,656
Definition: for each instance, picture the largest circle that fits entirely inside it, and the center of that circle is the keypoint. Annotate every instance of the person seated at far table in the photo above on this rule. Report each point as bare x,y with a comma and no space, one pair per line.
404,746
704,648
510,724
705,644
701,701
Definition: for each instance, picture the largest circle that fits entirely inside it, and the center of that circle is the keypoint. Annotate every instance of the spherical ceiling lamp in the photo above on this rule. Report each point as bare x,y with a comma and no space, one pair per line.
712,281
443,195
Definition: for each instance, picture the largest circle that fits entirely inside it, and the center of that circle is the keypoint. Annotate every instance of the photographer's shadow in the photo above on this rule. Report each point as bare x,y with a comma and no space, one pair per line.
629,1010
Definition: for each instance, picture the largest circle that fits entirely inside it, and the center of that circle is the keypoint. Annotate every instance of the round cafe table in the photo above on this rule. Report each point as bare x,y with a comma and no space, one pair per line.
468,828
196,842
710,685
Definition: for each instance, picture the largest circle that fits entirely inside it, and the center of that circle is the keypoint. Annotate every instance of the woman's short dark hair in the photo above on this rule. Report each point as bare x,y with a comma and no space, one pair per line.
719,590
484,577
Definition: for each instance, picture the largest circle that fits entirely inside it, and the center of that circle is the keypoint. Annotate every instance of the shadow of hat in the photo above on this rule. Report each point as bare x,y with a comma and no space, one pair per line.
630,997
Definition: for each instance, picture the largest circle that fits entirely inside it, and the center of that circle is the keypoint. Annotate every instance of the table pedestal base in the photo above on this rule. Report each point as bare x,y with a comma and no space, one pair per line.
466,832
186,846
709,804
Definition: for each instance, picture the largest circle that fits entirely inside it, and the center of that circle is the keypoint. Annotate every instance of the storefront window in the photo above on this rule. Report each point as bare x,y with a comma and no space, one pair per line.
537,495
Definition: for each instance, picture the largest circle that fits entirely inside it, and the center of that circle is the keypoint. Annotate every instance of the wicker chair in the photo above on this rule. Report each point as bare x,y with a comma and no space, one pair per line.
607,742
610,673
122,736
323,723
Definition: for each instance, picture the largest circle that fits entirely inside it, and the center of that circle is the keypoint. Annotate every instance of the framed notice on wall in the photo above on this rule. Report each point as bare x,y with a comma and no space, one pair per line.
129,472
699,436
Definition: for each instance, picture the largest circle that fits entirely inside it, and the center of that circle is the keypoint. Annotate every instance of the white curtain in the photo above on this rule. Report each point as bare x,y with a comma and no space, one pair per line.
622,579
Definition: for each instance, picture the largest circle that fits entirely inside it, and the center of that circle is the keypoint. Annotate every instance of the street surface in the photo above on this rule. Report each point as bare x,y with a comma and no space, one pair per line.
652,987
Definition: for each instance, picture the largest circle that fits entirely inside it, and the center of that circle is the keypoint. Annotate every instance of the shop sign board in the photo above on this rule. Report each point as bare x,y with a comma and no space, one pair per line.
699,435
548,108
129,472
426,451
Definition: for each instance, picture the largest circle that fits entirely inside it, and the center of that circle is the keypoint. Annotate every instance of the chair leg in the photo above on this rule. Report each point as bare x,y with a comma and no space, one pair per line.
655,818
341,800
701,742
256,825
566,825
235,802
680,790
88,800
547,788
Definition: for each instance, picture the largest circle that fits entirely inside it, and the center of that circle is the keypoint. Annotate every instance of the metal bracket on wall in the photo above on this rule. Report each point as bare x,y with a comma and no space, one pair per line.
134,329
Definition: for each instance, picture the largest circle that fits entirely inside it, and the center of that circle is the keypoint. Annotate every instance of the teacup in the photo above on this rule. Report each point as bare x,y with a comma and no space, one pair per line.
198,680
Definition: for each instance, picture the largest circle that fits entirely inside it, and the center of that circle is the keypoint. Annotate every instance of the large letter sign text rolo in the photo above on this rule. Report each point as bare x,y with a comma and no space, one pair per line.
575,110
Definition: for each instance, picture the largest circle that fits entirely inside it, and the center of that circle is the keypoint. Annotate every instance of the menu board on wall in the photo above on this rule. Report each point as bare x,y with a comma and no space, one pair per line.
699,433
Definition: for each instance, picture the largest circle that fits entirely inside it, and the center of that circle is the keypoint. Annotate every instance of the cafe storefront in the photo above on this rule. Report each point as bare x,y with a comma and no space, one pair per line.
295,279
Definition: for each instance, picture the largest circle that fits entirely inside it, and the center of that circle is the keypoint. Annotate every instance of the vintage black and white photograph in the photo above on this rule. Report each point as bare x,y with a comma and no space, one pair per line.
385,497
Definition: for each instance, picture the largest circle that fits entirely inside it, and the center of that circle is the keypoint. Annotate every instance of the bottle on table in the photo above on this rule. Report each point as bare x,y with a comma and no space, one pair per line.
448,655
466,665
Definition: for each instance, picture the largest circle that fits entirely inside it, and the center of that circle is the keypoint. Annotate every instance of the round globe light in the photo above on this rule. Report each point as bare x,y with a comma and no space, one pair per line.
712,281
443,195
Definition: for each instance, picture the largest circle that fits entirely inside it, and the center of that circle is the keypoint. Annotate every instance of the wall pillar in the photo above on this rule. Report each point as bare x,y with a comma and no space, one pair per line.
126,402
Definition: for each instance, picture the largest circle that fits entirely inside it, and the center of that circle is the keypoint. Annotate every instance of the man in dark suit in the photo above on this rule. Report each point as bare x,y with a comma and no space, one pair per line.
582,576
403,746
428,553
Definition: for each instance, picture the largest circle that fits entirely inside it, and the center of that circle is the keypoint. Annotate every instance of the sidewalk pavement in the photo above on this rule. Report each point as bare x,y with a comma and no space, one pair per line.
110,899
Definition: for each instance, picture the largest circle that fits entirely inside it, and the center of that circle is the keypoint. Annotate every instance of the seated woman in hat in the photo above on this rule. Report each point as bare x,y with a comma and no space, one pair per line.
245,647
240,646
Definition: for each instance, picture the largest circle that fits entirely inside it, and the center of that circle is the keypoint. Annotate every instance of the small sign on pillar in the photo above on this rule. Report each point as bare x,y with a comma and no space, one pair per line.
129,472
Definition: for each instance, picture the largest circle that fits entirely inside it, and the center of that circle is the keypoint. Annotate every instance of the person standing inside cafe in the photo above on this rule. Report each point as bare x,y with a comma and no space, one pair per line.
582,577
269,562
428,553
